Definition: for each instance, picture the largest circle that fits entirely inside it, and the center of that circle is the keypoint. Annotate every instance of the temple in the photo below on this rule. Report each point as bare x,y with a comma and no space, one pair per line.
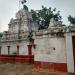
52,49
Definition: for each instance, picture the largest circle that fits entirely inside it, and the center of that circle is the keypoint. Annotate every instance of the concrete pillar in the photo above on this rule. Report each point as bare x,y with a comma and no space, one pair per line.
30,49
8,50
18,49
69,48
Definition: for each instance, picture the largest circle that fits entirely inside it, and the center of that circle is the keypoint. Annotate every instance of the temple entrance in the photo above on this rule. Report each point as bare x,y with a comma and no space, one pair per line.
73,41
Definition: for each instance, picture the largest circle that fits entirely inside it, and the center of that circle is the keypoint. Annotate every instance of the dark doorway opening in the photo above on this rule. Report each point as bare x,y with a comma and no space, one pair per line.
73,42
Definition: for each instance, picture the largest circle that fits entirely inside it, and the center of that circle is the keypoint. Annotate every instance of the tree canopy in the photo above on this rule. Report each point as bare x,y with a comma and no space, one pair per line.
71,19
43,16
1,34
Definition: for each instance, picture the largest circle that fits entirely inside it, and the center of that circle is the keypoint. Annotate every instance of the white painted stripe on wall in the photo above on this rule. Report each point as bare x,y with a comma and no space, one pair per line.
49,58
69,47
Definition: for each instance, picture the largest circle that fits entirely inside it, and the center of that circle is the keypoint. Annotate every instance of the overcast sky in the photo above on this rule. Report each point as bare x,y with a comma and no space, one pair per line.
8,8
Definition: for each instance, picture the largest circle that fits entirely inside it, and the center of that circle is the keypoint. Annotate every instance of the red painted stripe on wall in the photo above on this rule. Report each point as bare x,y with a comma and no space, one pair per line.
17,58
50,66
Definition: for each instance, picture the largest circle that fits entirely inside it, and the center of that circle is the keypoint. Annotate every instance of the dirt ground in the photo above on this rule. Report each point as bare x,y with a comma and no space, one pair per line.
23,69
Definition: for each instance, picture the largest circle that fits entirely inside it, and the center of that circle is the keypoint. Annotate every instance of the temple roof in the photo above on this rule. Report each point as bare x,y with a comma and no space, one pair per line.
23,13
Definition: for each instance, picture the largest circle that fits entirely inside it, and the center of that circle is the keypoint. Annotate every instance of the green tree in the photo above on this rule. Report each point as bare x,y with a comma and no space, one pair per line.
71,19
43,16
1,34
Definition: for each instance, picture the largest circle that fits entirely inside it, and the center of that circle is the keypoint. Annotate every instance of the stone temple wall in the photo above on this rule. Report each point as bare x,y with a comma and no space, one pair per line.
23,49
50,52
50,49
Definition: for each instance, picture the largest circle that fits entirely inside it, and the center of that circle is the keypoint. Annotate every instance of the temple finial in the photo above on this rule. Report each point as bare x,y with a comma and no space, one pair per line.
23,1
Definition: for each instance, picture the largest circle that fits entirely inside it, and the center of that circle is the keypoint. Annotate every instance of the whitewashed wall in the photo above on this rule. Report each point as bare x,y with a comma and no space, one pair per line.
45,49
4,49
13,48
23,49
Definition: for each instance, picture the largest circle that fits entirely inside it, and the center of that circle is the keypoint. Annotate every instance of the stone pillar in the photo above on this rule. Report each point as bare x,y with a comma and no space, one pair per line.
18,49
29,49
8,50
69,49
0,50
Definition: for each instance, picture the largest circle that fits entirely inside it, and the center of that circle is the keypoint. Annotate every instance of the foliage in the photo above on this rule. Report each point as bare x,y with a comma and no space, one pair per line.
1,34
43,16
71,19
25,7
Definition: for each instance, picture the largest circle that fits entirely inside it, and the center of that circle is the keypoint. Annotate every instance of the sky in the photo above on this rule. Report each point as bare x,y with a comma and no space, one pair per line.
8,9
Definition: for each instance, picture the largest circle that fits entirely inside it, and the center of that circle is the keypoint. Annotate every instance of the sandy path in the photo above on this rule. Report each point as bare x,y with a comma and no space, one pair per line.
22,69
